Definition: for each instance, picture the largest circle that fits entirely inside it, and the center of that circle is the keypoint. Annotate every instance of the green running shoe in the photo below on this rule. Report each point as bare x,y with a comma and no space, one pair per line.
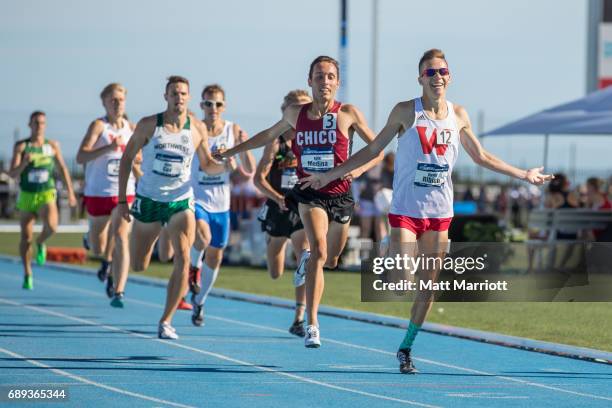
117,301
41,254
28,282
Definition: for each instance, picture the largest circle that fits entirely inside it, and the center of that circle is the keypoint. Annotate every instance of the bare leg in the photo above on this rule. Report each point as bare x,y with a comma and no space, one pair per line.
181,230
164,246
48,215
26,222
141,245
300,243
98,235
276,256
121,252
316,224
336,238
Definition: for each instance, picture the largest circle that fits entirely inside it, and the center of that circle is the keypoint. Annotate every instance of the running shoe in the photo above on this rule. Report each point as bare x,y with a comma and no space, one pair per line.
197,316
110,289
117,300
313,337
297,328
299,277
41,254
406,366
195,278
183,305
167,332
104,271
86,241
28,282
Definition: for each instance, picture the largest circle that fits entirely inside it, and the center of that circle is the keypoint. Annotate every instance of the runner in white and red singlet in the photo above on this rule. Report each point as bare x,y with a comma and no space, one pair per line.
100,152
323,140
429,131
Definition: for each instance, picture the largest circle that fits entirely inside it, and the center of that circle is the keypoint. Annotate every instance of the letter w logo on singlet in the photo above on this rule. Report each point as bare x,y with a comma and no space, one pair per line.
429,144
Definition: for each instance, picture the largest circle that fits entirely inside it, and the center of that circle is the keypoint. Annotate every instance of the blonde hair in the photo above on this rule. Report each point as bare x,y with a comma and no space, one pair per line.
293,97
110,88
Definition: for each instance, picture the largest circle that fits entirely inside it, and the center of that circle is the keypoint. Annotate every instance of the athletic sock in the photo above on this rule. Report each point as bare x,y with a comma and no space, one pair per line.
411,333
209,277
196,257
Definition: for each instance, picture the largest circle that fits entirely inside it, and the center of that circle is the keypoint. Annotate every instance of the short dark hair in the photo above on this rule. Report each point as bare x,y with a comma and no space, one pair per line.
431,54
175,79
323,58
213,88
36,113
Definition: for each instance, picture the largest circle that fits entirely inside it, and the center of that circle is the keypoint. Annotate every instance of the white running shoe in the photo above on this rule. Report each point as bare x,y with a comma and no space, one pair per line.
299,276
167,332
313,337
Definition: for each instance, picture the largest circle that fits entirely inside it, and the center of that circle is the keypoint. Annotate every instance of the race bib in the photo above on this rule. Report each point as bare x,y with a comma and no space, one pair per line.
289,179
216,180
317,159
443,137
38,176
112,167
167,165
430,175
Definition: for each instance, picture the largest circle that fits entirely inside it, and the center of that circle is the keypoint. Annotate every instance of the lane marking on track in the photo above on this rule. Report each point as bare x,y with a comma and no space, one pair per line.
208,353
342,343
90,382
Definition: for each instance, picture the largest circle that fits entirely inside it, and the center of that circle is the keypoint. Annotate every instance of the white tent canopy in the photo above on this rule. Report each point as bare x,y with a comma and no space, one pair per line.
591,115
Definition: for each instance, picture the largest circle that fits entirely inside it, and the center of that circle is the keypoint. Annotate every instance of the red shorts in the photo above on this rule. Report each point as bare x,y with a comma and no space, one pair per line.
99,206
419,225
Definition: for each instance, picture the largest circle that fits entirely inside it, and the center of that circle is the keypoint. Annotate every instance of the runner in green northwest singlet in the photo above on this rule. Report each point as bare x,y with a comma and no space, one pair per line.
34,162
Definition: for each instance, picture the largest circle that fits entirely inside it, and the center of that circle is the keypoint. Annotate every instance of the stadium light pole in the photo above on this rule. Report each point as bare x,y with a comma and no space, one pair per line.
343,54
374,64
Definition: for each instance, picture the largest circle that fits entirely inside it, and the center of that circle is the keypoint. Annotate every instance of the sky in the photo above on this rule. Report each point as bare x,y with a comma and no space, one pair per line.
508,60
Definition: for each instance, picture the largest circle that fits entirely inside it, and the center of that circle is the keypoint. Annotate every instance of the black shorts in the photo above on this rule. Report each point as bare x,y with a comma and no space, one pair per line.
279,223
339,208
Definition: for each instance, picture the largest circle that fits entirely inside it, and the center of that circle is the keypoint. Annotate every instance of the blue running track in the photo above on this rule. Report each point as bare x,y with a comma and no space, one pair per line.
65,334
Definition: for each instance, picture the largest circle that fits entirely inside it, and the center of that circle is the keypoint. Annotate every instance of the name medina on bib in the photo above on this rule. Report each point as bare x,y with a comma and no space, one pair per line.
317,146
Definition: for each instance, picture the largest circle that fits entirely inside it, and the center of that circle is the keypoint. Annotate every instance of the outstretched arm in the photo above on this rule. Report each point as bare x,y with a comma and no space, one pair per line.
362,157
269,135
247,160
485,159
367,135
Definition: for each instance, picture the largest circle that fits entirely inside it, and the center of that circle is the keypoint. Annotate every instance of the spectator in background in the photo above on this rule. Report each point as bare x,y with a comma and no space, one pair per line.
370,218
596,199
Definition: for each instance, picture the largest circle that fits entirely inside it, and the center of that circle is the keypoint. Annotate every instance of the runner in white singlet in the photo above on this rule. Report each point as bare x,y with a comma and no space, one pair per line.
100,152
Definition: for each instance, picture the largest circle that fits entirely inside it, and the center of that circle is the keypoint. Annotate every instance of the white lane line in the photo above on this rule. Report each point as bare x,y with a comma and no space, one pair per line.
374,350
212,354
89,382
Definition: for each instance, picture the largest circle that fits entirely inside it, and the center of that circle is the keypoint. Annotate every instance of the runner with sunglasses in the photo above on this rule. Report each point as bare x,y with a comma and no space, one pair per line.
275,176
323,140
212,194
34,163
429,130
164,195
100,152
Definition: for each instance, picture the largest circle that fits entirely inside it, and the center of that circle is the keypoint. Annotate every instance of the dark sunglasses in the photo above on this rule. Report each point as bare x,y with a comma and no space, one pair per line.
210,104
429,72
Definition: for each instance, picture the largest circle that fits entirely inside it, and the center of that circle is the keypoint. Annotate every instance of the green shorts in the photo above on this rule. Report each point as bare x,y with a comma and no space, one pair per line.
29,201
146,210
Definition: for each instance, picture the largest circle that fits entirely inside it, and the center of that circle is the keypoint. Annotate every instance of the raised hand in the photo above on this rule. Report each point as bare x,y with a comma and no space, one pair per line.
534,176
